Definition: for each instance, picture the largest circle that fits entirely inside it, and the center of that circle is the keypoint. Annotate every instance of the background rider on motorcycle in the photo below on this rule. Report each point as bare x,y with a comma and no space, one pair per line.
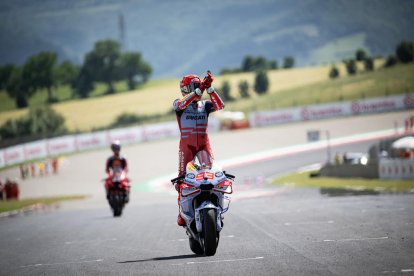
114,161
192,116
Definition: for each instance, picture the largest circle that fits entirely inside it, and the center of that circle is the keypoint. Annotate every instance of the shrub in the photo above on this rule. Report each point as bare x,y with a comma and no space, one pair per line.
244,89
334,73
261,84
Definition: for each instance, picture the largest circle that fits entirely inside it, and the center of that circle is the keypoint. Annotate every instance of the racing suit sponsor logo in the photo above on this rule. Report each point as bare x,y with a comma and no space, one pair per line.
195,117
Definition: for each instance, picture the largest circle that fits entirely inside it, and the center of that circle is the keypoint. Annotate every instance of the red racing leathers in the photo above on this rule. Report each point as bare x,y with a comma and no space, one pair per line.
192,116
111,163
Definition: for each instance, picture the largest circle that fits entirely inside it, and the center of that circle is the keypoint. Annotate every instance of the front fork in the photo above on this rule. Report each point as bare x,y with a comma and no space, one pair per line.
198,219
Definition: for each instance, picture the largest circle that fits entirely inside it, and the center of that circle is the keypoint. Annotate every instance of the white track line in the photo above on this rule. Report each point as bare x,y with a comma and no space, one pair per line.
65,263
307,222
279,152
408,270
72,242
160,183
221,261
357,239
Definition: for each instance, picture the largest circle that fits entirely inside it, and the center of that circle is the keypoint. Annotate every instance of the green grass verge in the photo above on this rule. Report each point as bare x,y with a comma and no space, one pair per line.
12,205
358,184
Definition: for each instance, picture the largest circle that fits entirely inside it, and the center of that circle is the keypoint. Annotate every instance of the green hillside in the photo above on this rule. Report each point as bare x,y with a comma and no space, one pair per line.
300,86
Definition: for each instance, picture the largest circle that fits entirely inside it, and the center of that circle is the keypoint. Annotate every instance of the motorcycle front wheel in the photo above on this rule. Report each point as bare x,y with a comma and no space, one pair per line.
195,246
209,231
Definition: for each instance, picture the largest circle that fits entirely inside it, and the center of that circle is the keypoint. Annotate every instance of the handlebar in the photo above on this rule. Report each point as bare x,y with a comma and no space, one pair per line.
232,177
182,177
175,180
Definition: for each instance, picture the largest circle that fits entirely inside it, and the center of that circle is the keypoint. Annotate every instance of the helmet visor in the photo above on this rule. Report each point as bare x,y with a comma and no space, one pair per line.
116,147
190,88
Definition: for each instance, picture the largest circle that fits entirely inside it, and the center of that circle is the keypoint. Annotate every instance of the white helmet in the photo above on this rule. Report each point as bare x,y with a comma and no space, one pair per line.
116,145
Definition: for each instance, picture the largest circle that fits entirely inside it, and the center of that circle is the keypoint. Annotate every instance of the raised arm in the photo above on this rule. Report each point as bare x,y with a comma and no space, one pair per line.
215,99
218,103
188,99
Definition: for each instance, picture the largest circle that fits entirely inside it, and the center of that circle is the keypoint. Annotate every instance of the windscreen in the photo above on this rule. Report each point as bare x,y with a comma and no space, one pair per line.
203,160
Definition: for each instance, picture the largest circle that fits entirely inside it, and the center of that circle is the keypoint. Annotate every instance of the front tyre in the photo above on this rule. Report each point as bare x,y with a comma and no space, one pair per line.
195,246
209,231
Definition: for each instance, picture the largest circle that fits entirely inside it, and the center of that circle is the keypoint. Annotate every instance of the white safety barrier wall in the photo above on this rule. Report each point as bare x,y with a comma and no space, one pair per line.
331,110
88,141
396,168
35,150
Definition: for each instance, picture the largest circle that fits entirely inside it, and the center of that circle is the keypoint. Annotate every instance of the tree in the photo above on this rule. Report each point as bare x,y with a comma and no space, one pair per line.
288,62
360,55
66,73
369,64
19,88
260,63
273,64
83,84
45,121
145,70
225,91
5,73
261,84
405,51
350,66
134,69
130,63
247,64
102,62
229,70
39,69
391,61
334,73
244,89
40,121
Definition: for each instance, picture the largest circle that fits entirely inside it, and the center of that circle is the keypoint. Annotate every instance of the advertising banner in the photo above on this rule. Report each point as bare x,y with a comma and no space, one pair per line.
2,161
14,155
61,145
378,105
125,135
92,140
323,111
396,169
160,131
332,110
274,117
35,150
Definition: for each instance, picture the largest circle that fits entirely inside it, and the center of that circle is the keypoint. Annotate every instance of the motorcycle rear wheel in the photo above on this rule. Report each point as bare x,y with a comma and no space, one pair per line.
117,211
209,232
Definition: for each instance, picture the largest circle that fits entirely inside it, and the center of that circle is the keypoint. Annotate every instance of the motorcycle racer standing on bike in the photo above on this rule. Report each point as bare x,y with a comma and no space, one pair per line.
192,117
114,161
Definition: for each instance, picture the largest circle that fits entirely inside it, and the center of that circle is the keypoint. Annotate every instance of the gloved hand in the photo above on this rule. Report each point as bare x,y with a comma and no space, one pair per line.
199,92
207,80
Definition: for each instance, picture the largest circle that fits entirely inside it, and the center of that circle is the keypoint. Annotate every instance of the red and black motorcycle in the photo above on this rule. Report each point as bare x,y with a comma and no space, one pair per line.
117,188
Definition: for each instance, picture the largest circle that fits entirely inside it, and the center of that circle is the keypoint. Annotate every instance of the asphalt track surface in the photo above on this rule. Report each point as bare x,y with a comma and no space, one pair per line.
267,231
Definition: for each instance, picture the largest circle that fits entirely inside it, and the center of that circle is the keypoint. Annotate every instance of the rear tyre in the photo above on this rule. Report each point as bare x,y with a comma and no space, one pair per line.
195,246
117,212
209,231
117,206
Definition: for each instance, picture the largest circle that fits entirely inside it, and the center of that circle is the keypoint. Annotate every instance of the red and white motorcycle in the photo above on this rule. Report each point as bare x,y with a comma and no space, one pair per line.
117,187
204,199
